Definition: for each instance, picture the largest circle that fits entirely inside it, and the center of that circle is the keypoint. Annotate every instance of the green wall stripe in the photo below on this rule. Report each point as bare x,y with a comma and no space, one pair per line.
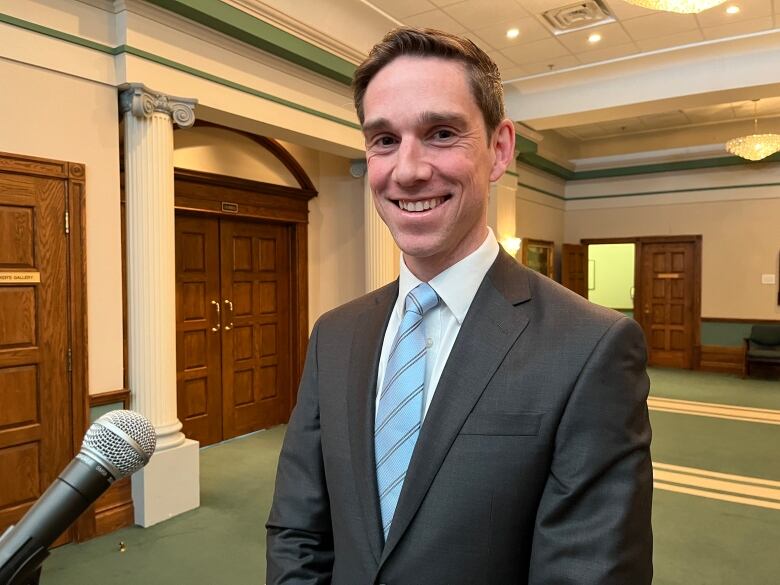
128,50
50,32
233,85
247,28
538,190
725,334
691,190
548,166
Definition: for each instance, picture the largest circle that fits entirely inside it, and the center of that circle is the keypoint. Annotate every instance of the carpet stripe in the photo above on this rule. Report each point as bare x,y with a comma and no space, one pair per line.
724,411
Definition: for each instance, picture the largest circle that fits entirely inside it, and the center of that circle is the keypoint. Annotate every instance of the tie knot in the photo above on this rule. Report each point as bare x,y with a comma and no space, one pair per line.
421,299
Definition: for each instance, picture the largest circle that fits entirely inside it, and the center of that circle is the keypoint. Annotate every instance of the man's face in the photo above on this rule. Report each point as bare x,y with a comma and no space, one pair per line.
429,160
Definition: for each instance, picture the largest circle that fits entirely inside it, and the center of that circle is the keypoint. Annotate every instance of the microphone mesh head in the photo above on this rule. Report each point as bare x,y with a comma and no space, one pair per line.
116,449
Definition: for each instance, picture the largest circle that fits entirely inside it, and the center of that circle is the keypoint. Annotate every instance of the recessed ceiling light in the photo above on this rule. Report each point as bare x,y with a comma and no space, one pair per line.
513,33
732,9
594,38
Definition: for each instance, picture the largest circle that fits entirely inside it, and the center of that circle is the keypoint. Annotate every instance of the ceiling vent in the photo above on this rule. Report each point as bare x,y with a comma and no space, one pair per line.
577,16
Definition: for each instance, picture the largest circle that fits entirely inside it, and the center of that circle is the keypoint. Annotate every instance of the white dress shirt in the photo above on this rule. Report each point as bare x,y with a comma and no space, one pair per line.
456,287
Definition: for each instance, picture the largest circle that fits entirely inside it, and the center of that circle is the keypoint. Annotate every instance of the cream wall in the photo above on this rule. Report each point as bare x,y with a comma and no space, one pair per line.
51,115
740,241
539,214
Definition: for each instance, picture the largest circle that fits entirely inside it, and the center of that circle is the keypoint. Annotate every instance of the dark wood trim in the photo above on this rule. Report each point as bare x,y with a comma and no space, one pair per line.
275,148
718,358
300,305
122,395
247,185
740,320
33,165
626,240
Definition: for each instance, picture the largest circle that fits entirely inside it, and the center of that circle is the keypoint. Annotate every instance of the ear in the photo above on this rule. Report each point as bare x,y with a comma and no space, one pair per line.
503,147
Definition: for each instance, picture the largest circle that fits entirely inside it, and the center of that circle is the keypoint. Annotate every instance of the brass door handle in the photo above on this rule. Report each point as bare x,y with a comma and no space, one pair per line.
219,316
229,304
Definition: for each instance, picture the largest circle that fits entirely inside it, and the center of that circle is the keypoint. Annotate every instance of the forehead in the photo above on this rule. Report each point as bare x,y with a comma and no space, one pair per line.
408,85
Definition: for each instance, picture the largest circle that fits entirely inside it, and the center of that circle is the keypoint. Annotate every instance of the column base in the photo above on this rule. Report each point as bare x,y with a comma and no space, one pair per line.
169,485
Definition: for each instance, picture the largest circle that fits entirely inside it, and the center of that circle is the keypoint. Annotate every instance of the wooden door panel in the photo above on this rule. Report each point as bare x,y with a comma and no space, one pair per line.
198,329
667,296
35,411
574,268
256,340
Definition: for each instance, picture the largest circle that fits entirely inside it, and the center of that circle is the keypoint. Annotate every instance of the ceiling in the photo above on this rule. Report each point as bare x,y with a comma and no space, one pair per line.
634,40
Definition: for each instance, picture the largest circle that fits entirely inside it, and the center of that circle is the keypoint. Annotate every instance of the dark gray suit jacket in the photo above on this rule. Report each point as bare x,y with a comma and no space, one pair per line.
532,465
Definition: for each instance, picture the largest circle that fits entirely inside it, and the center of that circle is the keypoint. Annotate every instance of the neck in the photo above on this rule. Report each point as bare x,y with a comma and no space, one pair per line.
429,267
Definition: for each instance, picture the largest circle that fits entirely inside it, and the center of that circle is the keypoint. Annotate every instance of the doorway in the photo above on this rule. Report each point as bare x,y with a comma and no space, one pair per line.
667,293
233,334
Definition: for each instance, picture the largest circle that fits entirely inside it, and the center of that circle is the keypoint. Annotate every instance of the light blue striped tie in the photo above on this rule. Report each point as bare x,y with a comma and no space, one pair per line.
399,416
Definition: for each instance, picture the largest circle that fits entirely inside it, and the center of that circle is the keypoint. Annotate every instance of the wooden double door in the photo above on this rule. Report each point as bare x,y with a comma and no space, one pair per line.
233,334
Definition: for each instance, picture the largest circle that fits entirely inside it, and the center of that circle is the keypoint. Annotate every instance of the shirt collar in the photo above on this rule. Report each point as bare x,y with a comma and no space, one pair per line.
458,284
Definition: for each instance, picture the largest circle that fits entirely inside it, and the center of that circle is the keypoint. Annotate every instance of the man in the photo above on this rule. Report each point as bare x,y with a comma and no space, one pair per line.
472,422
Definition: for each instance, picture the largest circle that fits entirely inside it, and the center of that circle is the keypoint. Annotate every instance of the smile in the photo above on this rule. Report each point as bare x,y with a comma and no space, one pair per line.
421,204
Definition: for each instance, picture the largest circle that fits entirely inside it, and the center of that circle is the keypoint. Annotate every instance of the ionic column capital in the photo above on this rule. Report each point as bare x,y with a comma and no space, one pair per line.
142,102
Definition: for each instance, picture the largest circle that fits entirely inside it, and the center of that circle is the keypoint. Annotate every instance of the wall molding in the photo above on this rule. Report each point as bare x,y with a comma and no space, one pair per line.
724,359
740,320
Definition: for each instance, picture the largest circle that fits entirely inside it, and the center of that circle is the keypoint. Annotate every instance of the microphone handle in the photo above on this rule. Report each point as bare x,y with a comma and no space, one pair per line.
23,547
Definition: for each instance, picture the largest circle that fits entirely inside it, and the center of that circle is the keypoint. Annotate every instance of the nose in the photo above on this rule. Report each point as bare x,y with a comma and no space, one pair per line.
411,167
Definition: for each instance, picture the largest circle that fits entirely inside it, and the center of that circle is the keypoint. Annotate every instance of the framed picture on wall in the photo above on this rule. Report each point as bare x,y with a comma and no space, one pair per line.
539,255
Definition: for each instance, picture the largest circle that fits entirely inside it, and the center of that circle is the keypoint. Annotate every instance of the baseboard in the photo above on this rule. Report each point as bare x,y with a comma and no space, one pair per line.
719,358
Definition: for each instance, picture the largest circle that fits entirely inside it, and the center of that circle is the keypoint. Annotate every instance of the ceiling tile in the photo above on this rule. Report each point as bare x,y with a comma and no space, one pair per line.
400,9
675,40
666,23
530,30
536,51
769,106
441,3
577,42
481,43
558,63
501,60
608,53
477,14
742,27
623,10
749,10
513,73
435,19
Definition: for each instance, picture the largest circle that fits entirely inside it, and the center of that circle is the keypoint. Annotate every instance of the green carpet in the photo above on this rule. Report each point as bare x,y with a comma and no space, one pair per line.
698,541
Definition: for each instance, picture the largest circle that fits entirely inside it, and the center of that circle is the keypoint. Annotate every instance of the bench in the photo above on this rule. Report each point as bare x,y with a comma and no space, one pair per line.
763,346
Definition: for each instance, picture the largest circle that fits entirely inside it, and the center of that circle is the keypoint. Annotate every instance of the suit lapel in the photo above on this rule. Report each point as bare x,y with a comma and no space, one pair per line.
369,330
491,327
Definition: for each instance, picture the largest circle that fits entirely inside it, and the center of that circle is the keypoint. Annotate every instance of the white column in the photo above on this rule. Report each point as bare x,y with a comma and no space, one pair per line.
169,484
502,208
380,247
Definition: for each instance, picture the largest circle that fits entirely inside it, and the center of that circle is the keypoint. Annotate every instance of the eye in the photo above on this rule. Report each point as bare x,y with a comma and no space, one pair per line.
384,141
443,135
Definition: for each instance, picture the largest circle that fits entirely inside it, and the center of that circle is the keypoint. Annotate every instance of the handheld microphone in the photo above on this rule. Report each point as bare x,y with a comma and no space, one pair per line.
117,445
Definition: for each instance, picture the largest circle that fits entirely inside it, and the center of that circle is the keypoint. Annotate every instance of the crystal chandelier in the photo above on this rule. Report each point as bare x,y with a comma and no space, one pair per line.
680,6
754,146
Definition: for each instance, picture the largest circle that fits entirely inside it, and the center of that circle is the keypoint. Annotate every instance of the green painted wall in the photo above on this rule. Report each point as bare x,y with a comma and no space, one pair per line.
724,333
611,275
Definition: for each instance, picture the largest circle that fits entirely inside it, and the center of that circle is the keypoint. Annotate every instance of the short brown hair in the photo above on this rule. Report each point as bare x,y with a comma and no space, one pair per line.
483,75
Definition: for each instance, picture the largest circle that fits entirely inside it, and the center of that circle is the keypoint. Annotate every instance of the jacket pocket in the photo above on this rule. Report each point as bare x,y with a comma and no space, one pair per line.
502,424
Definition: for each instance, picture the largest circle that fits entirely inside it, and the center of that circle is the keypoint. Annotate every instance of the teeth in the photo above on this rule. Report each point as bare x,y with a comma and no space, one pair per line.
420,205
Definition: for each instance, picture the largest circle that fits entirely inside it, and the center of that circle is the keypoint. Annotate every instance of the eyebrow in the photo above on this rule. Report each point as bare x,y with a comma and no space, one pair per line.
424,119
